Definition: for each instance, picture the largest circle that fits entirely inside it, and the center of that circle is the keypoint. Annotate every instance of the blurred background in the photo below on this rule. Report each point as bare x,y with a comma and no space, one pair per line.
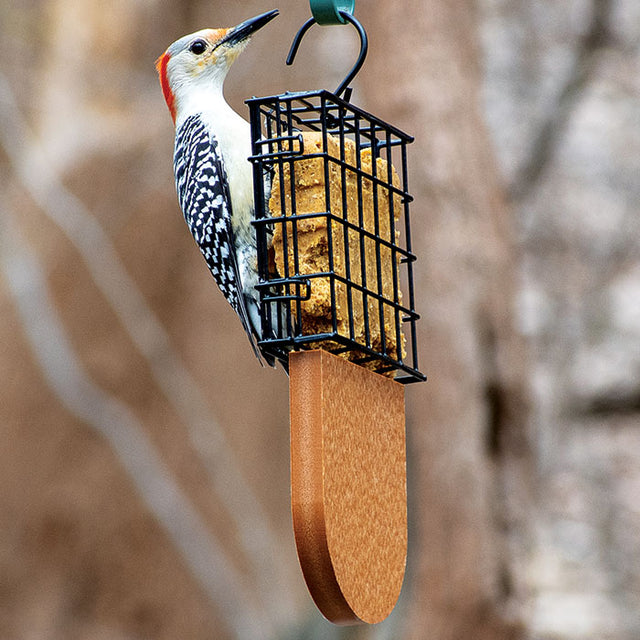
144,489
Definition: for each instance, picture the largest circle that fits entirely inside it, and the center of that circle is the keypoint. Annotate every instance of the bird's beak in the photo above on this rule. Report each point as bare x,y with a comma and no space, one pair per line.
245,29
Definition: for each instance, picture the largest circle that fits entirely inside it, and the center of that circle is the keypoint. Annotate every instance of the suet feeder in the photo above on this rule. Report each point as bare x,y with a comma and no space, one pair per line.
338,309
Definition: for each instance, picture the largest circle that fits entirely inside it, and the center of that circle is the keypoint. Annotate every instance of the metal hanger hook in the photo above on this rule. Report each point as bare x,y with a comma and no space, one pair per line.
364,45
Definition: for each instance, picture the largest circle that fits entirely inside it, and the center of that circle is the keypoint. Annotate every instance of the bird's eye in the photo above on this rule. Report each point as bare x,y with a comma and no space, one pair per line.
198,47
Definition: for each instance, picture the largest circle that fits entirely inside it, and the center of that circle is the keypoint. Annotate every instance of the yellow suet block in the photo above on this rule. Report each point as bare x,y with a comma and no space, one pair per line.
357,256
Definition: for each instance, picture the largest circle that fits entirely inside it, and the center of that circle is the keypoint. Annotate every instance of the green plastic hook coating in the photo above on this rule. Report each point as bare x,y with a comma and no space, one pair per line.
328,11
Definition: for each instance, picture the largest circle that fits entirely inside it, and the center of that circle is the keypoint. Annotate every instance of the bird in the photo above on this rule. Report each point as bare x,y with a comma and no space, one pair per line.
213,175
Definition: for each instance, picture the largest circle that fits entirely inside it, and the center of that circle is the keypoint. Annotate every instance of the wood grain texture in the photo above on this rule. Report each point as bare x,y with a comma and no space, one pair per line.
348,486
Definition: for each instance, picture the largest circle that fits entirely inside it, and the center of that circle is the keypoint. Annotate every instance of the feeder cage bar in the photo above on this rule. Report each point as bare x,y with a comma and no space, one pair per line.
333,232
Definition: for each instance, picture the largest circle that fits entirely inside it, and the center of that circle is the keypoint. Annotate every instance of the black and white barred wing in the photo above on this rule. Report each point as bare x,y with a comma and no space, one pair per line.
203,194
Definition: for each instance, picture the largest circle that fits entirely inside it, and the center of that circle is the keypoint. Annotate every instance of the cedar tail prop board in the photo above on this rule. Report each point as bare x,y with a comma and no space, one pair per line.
348,485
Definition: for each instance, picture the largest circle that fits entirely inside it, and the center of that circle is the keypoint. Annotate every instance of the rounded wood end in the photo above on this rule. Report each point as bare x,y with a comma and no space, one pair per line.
348,469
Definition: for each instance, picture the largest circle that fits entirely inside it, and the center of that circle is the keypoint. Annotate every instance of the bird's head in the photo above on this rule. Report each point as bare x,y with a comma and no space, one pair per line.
202,59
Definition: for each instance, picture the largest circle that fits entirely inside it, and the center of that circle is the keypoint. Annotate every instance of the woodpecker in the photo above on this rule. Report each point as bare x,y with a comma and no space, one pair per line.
213,175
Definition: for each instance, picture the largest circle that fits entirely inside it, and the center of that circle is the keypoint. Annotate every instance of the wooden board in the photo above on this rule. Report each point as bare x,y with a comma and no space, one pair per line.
348,485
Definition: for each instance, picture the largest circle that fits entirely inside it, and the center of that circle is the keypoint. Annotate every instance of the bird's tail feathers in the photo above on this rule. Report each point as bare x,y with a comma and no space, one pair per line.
250,317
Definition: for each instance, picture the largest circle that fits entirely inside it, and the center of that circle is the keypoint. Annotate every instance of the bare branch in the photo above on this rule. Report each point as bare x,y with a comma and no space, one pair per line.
550,131
66,211
113,420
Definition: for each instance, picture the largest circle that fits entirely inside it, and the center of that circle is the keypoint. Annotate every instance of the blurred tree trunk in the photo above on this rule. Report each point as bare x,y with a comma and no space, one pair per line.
467,425
114,335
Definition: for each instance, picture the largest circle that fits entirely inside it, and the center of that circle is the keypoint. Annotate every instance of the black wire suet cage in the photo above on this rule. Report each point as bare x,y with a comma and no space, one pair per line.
327,170
333,227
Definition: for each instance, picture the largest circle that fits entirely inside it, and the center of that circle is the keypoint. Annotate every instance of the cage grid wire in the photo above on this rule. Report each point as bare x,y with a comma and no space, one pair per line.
326,170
